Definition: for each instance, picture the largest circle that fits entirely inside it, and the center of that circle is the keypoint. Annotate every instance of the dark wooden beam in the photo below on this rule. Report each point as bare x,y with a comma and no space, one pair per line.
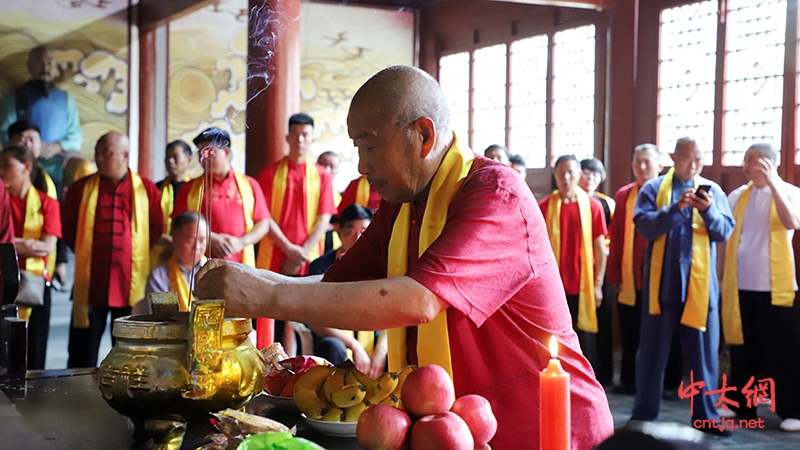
155,12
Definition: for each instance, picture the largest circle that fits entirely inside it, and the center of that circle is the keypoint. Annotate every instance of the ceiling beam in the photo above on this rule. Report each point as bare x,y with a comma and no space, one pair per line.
151,13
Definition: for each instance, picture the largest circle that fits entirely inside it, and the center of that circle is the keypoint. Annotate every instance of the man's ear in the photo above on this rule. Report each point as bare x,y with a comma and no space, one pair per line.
427,132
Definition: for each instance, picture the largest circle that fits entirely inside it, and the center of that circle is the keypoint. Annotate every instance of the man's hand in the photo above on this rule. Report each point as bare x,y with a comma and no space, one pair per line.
223,245
246,290
30,248
289,267
50,149
686,199
598,295
702,201
296,256
378,364
360,357
767,168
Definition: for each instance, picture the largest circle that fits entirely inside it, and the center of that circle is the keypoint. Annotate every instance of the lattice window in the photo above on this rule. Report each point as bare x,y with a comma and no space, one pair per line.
573,92
528,100
454,79
687,66
489,97
754,72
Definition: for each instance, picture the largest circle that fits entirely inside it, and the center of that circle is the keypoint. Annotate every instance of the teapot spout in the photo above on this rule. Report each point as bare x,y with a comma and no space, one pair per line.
205,347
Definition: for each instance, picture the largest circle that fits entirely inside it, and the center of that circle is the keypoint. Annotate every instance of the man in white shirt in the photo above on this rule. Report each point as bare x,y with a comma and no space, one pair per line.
759,311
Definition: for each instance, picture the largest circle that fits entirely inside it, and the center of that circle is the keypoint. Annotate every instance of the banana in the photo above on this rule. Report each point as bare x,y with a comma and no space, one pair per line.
349,395
313,378
334,383
334,415
401,378
309,402
363,378
350,377
352,413
382,387
391,400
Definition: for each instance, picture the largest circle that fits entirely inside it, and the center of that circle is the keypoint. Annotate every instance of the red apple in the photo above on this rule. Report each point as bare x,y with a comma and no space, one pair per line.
477,413
428,390
382,427
276,381
445,431
288,390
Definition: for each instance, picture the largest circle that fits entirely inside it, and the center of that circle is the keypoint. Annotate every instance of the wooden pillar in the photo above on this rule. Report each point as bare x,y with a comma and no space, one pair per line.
622,53
273,87
147,89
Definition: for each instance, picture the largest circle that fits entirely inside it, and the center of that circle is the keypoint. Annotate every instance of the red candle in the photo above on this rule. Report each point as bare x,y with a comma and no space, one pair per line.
265,332
554,416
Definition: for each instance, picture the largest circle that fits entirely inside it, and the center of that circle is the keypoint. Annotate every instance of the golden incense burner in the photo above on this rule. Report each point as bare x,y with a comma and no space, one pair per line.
171,367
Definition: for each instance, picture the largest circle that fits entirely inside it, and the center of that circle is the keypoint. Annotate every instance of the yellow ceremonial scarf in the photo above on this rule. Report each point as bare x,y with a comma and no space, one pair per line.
362,191
433,340
168,203
627,292
140,246
587,309
33,224
177,283
248,206
781,271
695,311
312,189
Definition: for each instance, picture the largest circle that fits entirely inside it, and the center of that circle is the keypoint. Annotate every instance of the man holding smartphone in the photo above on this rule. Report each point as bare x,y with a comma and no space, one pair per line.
681,293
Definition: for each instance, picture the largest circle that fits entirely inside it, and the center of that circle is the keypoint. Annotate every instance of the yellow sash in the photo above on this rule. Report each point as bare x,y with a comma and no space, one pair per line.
34,222
695,311
627,292
781,271
140,246
433,341
177,283
248,206
167,204
312,189
587,309
362,191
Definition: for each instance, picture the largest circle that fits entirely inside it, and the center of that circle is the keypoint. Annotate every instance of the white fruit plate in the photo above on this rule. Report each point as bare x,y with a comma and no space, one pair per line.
282,402
340,429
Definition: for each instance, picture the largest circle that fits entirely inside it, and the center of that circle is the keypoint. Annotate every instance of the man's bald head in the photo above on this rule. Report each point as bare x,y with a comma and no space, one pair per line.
111,155
403,94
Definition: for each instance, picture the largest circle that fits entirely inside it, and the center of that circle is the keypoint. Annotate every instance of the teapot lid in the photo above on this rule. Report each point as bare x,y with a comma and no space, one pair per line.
170,326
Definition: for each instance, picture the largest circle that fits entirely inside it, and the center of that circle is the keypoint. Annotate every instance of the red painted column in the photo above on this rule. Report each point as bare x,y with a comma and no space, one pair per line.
273,87
147,94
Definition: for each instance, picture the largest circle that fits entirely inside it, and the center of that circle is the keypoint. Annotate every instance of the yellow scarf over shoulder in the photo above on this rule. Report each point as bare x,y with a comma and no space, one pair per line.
627,291
194,203
362,191
695,311
433,340
587,309
140,246
33,224
312,189
168,203
177,283
780,268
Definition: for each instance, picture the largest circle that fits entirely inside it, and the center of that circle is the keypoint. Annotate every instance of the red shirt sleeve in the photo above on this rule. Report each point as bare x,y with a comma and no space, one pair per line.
326,204
182,200
156,214
265,179
349,195
598,219
617,234
260,210
70,211
51,215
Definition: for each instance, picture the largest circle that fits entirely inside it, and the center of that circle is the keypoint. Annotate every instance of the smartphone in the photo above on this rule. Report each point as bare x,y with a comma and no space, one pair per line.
702,188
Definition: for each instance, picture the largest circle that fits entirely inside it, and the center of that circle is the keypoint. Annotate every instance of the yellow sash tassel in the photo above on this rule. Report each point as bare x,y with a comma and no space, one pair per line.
780,269
177,283
695,310
140,246
433,340
312,189
248,205
362,191
587,309
627,292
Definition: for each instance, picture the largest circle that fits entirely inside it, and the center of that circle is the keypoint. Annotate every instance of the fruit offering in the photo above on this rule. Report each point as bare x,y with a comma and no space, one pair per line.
277,441
342,393
281,382
433,418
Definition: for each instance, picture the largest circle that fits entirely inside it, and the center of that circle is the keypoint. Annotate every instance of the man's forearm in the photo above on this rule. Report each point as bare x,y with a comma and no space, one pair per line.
259,230
276,234
599,260
323,221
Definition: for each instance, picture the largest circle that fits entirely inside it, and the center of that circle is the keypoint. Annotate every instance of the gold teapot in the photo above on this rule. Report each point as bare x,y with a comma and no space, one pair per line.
170,367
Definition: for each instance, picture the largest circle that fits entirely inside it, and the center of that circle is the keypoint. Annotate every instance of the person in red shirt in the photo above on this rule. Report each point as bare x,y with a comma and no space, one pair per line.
6,224
300,218
350,195
238,213
567,172
628,283
490,272
37,221
111,237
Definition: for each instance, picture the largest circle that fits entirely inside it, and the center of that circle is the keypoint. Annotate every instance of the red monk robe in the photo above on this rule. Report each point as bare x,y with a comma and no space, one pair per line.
499,326
294,220
226,206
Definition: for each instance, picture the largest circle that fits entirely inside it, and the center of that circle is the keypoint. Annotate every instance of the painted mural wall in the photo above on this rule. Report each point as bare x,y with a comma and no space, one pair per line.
341,47
90,43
